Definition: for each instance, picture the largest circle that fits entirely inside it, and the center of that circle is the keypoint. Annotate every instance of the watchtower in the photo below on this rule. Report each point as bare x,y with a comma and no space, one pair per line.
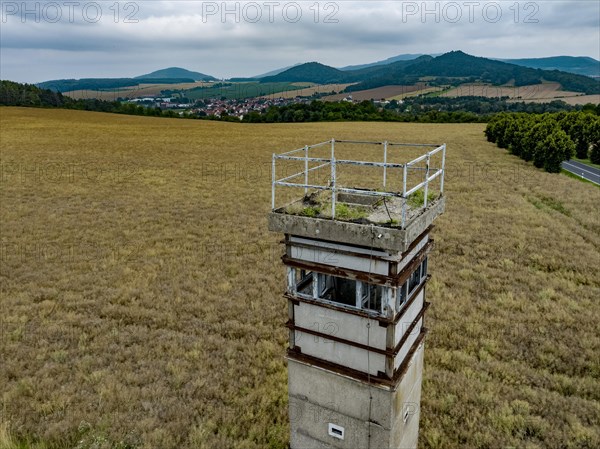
356,220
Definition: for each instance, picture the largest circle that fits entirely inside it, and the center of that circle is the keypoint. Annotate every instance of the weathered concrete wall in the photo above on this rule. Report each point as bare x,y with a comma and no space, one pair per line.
340,324
409,257
408,317
340,353
319,397
410,341
391,239
324,388
408,397
336,259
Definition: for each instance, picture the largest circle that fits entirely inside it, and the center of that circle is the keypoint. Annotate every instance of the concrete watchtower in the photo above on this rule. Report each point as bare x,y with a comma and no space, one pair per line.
357,242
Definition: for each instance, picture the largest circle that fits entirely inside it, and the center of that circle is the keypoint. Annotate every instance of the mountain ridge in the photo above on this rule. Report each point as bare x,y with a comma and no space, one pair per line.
579,65
450,68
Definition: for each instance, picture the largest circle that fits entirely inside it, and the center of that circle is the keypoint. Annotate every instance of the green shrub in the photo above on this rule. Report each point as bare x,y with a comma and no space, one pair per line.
416,199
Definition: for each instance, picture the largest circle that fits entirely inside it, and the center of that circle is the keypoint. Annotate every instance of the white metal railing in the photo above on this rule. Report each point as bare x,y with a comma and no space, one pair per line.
431,173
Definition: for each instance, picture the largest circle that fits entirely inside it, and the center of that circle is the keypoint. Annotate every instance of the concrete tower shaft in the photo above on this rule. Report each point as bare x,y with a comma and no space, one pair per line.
357,269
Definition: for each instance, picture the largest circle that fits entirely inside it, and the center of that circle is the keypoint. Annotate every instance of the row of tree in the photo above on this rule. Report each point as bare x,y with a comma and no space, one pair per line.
414,109
485,106
317,111
29,95
547,139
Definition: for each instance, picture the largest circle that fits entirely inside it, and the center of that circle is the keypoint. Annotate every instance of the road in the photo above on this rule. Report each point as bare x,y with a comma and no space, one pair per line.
583,170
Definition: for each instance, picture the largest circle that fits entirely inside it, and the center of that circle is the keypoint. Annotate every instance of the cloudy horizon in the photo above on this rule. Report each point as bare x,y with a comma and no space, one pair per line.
47,40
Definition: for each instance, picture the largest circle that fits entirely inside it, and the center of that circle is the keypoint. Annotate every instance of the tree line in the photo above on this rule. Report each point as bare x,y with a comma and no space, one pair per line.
317,111
29,95
547,139
486,106
413,109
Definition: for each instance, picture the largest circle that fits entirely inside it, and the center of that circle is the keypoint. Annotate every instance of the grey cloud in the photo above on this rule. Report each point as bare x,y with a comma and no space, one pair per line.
175,33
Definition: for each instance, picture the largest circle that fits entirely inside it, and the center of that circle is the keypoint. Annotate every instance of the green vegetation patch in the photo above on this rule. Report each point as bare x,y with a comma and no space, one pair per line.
417,199
239,91
344,211
310,211
546,202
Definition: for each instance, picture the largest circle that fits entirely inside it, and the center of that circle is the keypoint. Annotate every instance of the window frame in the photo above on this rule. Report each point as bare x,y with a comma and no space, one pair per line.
299,281
313,285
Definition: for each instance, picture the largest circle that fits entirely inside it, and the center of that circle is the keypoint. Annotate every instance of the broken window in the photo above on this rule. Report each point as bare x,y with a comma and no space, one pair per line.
304,282
337,289
402,295
348,292
372,297
415,279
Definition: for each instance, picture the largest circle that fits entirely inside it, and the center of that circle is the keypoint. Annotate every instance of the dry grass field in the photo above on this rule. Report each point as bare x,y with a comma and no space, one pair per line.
539,92
385,92
141,291
133,91
415,93
308,90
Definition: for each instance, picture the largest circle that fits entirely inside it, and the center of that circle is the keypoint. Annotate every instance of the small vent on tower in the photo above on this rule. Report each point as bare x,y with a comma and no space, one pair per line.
336,431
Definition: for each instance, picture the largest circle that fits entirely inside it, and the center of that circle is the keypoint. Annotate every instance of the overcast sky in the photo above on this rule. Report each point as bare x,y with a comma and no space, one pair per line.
78,39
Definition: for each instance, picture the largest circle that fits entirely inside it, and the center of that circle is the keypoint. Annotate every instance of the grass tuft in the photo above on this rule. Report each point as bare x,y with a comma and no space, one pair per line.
310,211
545,202
346,212
417,199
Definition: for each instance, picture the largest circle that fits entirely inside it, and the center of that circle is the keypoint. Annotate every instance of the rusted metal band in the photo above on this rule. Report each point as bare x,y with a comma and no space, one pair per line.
387,352
371,278
379,379
408,332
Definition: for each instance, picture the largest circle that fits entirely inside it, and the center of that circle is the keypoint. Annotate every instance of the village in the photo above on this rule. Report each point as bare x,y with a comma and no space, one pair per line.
216,107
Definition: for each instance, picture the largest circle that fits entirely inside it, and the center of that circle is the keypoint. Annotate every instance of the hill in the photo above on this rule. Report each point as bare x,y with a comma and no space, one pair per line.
456,67
580,65
322,74
69,85
171,75
177,72
453,68
396,73
313,72
404,57
276,71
